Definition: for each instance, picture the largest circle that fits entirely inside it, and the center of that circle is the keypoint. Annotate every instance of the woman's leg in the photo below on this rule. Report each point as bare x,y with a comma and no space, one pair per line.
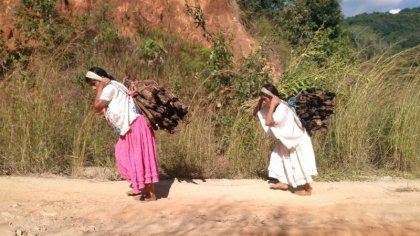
148,156
307,187
303,190
143,166
277,170
123,154
150,194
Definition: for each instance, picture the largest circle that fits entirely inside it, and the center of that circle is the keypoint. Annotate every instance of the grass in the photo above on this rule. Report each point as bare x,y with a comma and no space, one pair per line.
376,124
48,127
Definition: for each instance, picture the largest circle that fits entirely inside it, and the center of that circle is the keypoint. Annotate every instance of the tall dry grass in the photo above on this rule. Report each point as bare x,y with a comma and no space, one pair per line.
46,117
47,124
376,125
195,150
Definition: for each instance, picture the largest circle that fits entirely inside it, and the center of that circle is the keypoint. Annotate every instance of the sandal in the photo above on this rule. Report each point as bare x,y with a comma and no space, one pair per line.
131,193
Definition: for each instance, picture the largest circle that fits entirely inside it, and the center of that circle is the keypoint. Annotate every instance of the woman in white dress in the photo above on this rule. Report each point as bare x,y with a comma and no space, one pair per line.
292,161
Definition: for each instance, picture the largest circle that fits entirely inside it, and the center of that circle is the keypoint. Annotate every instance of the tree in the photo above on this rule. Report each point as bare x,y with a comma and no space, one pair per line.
326,13
302,18
399,31
261,6
253,9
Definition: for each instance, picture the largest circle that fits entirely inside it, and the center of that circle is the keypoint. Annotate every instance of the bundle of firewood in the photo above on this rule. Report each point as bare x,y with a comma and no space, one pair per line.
161,108
314,108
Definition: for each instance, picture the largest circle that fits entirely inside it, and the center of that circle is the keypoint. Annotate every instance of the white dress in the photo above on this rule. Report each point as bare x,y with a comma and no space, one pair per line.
292,160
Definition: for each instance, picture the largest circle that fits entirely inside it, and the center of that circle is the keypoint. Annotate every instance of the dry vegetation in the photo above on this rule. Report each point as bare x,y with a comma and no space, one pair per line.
47,124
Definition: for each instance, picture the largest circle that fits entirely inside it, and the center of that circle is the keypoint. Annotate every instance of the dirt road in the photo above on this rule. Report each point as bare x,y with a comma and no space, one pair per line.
60,206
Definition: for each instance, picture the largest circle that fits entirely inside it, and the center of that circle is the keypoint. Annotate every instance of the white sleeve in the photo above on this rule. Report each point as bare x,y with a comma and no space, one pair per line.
262,120
108,93
280,116
285,129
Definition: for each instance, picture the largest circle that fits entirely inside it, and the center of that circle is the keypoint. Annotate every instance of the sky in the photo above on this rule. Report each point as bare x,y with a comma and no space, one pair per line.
354,7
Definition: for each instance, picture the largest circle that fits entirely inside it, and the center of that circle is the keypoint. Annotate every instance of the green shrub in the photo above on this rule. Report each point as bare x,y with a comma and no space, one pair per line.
48,126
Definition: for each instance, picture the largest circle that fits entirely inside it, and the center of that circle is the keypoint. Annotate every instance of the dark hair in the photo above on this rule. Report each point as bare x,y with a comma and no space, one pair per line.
101,72
270,87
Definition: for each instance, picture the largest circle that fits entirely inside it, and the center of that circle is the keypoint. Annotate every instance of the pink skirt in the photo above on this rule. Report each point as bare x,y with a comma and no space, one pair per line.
136,155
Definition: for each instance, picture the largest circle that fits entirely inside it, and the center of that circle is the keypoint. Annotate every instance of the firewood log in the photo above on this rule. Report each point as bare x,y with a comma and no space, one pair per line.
314,108
162,108
163,98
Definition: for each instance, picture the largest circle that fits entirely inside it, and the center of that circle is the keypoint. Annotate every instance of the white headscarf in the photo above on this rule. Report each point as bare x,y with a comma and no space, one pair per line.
93,76
267,92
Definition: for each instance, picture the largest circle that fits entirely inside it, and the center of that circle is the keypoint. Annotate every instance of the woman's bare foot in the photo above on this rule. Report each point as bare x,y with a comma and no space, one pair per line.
279,186
307,188
149,194
302,192
148,197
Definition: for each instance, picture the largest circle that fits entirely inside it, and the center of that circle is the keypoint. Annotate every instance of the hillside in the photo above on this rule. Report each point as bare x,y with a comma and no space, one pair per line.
403,27
47,49
169,17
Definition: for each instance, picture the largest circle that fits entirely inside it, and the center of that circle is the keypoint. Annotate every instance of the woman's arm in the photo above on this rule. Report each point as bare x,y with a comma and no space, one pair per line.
99,105
275,101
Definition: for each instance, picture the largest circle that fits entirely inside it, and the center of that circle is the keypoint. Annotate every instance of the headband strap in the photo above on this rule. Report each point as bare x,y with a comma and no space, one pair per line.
265,91
93,76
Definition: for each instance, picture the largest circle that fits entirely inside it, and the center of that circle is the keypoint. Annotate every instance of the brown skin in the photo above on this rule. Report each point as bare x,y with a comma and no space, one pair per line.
305,190
98,106
273,103
279,186
97,86
148,195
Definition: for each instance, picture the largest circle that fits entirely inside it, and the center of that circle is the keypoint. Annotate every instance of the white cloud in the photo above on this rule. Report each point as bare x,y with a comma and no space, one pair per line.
371,3
354,7
395,11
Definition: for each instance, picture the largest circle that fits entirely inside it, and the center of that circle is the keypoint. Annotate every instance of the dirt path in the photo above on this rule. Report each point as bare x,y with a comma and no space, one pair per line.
59,206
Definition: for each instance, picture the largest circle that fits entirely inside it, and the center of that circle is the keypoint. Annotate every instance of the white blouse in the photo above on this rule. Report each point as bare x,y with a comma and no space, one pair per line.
121,111
287,127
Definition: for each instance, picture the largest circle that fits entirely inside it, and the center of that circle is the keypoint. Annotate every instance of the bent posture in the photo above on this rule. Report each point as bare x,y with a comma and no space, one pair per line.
135,150
292,161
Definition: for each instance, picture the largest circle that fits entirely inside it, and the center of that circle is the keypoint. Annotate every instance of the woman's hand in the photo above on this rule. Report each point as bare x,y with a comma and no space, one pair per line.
269,120
100,85
104,82
98,104
275,100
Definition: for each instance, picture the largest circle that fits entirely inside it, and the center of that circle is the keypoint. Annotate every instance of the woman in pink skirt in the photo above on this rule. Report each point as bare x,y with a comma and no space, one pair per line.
135,150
